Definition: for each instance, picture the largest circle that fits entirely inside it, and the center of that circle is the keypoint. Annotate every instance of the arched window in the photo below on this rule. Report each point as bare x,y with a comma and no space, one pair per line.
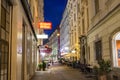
116,49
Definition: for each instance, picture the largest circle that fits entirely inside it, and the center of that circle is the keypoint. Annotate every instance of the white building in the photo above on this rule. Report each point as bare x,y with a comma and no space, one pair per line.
64,34
54,44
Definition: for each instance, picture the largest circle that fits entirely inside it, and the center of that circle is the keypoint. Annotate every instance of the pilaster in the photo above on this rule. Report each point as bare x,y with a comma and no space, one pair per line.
0,11
14,46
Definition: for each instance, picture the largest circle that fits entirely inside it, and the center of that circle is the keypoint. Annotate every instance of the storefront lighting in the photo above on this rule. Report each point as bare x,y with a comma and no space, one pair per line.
43,54
66,48
73,51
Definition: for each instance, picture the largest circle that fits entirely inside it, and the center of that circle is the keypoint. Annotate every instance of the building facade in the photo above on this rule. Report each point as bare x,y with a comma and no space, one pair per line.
73,29
103,35
18,39
64,36
54,44
39,18
83,26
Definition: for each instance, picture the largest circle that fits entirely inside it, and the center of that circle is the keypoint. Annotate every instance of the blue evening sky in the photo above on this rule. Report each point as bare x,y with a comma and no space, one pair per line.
53,11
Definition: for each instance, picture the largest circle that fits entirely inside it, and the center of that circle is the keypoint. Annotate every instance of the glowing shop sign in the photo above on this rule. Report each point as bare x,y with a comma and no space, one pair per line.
45,25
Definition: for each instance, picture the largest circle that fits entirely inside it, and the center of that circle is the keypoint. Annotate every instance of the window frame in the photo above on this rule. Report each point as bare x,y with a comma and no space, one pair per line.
4,39
98,45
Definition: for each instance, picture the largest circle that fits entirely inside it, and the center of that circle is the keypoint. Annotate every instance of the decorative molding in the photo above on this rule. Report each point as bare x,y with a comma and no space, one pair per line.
105,18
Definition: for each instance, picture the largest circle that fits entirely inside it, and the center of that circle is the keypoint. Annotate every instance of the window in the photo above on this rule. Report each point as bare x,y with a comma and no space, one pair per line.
4,39
74,16
78,7
96,6
98,50
83,26
88,55
75,35
3,17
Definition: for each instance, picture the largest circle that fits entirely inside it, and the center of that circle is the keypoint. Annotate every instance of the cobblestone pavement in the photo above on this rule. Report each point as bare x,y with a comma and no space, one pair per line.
60,72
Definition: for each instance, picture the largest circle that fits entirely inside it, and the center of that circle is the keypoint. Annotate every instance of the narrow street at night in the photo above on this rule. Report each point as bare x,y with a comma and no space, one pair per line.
60,72
59,39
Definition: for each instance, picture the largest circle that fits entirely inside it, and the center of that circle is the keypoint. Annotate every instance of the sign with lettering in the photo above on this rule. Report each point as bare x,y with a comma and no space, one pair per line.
45,25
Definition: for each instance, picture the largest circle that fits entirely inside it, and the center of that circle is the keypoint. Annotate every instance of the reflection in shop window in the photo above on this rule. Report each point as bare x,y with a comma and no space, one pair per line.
116,50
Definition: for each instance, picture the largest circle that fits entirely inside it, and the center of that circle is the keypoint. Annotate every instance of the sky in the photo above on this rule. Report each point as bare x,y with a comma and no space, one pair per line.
53,11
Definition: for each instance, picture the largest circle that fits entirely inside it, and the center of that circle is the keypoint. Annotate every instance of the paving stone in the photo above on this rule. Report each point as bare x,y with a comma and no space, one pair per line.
60,72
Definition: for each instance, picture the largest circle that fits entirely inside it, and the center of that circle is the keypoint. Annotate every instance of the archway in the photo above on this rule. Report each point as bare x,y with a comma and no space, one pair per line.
116,49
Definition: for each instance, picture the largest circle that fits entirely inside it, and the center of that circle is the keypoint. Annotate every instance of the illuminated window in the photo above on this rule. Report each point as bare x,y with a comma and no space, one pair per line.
116,50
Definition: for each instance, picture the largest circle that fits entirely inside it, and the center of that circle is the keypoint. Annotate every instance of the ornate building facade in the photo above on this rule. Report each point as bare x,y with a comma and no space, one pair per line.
54,44
64,35
103,35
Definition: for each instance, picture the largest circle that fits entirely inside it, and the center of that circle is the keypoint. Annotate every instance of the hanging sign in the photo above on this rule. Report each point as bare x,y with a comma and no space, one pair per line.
42,36
45,25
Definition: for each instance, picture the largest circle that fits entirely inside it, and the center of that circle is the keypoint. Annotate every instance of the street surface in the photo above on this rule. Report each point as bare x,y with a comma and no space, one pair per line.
60,72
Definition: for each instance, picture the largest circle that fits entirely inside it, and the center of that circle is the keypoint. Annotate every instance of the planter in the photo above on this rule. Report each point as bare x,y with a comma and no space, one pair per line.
39,67
102,77
103,69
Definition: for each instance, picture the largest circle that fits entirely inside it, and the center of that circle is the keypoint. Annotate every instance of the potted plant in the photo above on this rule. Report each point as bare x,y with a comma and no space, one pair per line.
104,69
39,66
43,65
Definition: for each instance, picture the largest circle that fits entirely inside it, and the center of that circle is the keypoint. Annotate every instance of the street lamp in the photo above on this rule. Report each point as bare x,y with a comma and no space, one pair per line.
73,51
58,34
66,48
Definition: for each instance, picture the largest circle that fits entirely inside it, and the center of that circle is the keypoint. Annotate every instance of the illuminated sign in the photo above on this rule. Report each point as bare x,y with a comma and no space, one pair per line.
42,36
45,25
45,49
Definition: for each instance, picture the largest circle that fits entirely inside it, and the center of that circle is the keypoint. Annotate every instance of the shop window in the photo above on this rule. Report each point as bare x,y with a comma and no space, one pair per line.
98,50
116,50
